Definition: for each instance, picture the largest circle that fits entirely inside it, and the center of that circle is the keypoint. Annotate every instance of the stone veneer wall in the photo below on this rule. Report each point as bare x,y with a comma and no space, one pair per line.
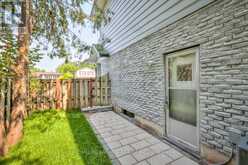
221,32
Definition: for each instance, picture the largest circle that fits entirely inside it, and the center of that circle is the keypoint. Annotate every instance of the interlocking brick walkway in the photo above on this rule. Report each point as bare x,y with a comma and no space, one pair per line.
128,144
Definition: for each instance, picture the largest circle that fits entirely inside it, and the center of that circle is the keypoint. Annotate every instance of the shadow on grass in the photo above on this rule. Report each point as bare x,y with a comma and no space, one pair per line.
23,159
90,150
42,121
57,137
38,122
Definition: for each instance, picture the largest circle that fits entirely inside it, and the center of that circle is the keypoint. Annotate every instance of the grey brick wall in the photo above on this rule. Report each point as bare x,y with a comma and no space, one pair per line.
221,31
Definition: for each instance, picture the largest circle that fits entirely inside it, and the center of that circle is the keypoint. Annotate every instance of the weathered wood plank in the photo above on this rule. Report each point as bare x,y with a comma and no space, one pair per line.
81,86
86,92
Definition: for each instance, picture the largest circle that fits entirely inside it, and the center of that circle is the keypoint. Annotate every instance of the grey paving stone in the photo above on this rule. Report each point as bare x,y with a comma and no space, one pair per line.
143,154
119,131
115,144
113,138
105,135
152,140
128,140
159,159
139,131
104,130
111,155
132,145
119,127
184,161
139,145
127,134
174,154
131,128
143,136
159,147
115,162
127,160
123,151
142,163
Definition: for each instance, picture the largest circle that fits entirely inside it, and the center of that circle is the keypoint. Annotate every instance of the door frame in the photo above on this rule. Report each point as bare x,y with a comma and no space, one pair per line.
195,50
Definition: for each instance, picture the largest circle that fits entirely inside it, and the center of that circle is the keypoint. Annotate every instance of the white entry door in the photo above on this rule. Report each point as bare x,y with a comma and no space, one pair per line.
182,97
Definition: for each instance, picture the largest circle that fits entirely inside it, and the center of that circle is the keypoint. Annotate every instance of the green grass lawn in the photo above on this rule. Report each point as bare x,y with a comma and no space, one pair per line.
63,138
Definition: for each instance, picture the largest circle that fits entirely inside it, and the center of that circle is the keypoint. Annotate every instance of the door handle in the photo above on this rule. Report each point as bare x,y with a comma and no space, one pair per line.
166,104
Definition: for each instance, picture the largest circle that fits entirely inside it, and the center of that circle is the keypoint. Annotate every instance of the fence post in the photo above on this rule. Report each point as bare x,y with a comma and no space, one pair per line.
98,91
109,90
69,94
106,89
42,96
101,91
94,90
64,91
86,91
58,94
81,93
76,94
91,92
51,98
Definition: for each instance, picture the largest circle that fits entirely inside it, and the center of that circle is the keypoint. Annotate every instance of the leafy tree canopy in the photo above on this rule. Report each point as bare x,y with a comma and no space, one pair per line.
9,54
66,76
68,69
86,65
51,22
35,69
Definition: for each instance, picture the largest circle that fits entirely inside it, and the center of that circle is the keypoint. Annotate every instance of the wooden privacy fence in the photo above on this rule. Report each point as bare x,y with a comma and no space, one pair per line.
75,93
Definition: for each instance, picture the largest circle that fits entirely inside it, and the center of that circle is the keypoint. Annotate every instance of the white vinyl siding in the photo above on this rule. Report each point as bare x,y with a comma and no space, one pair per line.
136,19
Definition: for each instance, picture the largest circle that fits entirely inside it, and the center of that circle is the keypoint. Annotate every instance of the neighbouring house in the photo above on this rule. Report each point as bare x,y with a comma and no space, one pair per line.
46,75
85,73
100,57
180,67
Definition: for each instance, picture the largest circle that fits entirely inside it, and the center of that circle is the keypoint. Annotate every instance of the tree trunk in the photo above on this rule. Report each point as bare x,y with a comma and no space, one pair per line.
20,82
19,95
2,118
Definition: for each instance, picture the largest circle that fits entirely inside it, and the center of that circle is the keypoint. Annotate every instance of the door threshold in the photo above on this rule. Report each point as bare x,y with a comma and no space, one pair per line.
195,155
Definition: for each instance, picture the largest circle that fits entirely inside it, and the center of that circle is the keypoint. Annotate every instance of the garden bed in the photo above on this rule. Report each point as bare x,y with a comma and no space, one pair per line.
52,137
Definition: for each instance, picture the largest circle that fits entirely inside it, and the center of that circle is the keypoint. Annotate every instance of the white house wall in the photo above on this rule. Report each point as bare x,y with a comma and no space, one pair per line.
133,20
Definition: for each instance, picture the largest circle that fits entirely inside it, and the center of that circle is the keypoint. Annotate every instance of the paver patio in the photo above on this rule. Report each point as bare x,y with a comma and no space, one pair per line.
130,145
